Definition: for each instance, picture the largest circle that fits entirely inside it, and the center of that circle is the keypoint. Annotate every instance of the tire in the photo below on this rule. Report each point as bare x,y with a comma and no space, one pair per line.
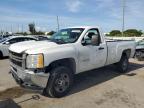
59,83
1,55
138,56
122,65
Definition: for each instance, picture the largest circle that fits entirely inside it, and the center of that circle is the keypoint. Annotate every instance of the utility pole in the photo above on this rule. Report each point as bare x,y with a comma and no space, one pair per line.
18,28
123,17
57,23
11,28
22,28
6,29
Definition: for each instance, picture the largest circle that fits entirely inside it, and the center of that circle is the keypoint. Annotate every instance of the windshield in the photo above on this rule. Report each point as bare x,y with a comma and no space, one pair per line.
69,35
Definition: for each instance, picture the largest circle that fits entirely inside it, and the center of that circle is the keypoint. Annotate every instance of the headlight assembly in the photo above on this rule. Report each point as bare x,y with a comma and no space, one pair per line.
35,61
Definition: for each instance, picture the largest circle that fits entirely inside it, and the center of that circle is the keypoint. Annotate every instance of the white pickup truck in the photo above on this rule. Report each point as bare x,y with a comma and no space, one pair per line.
51,65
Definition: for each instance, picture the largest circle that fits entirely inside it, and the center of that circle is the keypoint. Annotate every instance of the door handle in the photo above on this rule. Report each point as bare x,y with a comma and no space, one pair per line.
101,48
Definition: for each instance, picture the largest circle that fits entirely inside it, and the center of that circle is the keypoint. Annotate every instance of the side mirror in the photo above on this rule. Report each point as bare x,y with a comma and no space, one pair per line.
95,40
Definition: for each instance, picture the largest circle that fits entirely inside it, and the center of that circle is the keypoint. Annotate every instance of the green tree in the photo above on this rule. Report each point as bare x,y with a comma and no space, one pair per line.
32,28
133,32
22,33
25,33
115,33
51,33
39,33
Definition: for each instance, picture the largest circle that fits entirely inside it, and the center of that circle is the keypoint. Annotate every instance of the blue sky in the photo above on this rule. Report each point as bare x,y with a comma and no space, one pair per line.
104,13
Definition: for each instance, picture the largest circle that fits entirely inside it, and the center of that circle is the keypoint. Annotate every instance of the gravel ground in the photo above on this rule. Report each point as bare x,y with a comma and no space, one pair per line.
102,88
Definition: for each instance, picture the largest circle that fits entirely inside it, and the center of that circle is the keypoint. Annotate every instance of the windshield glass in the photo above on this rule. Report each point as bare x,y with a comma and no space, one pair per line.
69,35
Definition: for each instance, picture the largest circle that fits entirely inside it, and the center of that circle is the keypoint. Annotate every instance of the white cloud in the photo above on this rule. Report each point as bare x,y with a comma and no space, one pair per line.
73,5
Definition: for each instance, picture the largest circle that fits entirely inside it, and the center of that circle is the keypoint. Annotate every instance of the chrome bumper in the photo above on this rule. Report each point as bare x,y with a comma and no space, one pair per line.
29,79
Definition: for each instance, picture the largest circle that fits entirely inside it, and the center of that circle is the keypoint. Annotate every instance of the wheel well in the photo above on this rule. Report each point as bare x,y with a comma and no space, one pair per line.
140,50
68,62
1,54
127,52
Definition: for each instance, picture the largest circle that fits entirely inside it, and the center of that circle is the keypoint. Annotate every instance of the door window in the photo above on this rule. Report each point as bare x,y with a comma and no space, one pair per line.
27,39
89,34
12,41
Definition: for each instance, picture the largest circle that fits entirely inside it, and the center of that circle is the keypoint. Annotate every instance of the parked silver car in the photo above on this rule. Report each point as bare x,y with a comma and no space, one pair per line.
6,42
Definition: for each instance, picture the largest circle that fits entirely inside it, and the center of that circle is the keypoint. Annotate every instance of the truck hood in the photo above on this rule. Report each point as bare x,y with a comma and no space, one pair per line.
24,46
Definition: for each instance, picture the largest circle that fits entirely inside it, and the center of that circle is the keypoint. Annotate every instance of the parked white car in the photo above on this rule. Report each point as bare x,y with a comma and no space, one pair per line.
6,42
51,65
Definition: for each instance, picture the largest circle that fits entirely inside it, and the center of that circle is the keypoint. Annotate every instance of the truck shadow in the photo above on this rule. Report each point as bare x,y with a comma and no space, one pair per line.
7,96
9,103
94,77
4,58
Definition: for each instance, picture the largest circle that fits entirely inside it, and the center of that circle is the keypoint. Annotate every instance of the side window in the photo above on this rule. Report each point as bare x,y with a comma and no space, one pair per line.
89,34
12,41
27,39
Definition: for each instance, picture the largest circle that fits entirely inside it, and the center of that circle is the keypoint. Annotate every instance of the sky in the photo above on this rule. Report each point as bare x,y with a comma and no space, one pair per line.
15,15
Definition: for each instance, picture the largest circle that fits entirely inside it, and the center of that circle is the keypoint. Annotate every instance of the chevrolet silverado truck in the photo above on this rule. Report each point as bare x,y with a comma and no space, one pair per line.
51,65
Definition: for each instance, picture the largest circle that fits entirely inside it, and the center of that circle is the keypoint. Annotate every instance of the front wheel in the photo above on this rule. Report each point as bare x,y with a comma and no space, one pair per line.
60,82
123,64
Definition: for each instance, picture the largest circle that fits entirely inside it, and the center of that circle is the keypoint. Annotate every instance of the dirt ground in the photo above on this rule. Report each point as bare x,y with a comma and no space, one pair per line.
101,88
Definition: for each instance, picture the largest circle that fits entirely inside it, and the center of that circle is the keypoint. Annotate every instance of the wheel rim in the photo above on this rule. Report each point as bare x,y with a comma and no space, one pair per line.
62,83
125,64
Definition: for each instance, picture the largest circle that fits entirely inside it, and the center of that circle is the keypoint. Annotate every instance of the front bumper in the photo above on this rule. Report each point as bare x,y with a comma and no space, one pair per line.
29,79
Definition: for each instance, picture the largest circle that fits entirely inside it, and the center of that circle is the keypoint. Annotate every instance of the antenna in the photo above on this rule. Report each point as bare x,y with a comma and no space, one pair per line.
57,23
123,17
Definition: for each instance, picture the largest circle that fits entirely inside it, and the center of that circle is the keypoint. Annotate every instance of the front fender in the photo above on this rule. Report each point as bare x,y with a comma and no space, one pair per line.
60,53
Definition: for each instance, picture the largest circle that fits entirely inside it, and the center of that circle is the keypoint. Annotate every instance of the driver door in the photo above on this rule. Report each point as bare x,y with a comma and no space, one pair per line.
91,56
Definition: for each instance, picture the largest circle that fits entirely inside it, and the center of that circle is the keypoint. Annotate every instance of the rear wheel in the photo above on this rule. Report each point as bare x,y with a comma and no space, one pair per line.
60,82
123,64
139,56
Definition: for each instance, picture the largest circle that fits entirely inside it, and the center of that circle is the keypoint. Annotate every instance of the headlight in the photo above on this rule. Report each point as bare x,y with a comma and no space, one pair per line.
35,61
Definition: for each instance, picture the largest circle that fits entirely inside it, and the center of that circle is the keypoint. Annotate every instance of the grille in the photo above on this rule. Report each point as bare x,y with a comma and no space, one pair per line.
16,58
16,54
18,63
